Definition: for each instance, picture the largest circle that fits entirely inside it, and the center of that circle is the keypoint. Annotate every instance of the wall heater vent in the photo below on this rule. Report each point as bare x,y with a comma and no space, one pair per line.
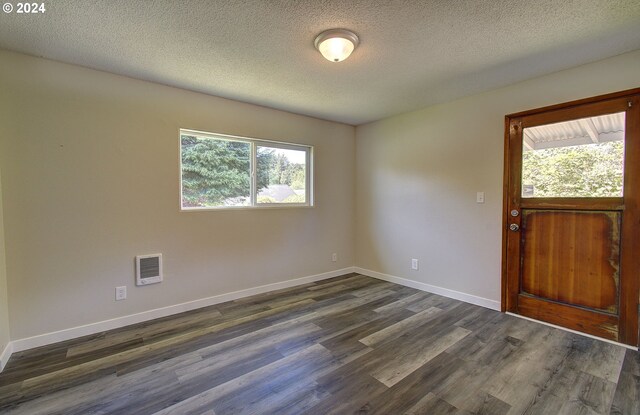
148,269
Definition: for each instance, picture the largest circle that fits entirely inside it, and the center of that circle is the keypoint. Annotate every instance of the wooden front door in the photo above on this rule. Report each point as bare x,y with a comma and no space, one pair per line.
572,215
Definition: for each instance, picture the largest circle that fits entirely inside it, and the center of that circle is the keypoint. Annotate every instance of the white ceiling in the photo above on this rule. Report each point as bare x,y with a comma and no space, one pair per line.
413,53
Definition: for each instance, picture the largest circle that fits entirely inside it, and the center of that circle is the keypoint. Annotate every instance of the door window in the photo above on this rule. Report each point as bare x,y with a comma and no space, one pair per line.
577,158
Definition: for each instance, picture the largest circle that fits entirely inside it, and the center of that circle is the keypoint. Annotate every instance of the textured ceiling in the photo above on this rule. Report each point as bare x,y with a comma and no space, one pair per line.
413,53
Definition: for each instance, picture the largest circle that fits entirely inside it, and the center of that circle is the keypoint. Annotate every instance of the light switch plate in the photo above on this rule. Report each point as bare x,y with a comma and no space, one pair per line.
121,293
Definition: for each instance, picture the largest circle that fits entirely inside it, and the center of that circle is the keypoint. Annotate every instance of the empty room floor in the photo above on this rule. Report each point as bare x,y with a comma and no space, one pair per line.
347,345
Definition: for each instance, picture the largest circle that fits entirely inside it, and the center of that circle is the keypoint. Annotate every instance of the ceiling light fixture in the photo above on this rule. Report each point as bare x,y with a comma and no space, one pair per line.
336,44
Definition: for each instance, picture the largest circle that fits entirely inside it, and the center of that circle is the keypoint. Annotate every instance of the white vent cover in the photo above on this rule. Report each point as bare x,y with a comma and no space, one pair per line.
148,269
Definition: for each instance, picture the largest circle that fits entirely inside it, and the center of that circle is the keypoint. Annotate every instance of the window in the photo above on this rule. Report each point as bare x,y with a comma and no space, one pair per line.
577,158
220,171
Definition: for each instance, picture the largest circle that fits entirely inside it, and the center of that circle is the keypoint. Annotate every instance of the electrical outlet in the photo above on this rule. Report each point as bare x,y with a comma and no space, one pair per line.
480,197
414,264
121,293
334,257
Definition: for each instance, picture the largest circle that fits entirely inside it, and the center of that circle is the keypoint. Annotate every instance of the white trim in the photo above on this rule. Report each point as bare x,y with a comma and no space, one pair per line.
573,331
5,355
75,332
456,295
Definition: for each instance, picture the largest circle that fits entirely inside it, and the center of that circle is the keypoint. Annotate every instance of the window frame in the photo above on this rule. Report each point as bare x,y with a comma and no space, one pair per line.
254,143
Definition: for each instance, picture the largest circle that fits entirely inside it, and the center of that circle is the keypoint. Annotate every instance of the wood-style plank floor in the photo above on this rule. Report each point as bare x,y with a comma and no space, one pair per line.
348,345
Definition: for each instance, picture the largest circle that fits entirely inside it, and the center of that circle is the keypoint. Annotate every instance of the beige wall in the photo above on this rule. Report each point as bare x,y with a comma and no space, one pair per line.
417,175
4,305
89,165
90,179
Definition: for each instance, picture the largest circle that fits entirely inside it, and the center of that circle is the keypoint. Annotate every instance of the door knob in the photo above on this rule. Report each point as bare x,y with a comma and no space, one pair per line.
514,227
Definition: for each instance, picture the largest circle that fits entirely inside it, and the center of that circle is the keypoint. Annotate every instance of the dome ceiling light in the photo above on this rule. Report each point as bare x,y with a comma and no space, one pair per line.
336,44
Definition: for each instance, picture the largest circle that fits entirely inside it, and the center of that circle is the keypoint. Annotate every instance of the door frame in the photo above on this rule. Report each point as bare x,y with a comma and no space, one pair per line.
630,238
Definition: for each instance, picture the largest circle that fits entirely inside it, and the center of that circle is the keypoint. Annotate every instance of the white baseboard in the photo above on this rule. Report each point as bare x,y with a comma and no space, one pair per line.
445,292
75,332
5,355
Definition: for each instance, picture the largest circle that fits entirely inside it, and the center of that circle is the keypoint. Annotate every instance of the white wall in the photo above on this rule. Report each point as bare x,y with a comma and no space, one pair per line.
417,175
90,179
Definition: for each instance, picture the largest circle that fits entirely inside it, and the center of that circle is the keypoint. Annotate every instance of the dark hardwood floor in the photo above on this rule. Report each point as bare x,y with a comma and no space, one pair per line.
348,345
